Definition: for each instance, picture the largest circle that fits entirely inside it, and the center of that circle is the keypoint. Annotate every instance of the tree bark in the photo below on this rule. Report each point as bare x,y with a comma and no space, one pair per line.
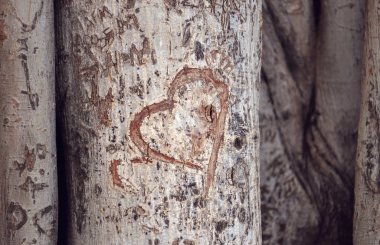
367,199
159,102
308,119
28,184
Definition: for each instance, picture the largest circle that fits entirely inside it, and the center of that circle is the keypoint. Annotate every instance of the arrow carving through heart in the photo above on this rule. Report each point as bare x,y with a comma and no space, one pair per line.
183,77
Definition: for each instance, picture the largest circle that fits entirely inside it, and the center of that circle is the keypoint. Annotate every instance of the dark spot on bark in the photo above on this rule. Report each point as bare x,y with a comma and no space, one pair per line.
186,36
199,55
199,202
3,35
113,148
179,196
6,121
176,241
103,108
98,190
188,242
30,158
170,4
138,90
238,174
23,43
221,225
238,143
41,151
42,172
20,167
241,215
16,216
131,4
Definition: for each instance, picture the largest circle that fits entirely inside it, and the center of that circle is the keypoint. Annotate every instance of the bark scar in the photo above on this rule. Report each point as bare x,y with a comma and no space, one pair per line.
183,77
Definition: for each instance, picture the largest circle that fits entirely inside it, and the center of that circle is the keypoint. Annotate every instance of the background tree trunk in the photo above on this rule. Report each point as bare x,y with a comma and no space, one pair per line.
159,102
28,183
309,109
367,199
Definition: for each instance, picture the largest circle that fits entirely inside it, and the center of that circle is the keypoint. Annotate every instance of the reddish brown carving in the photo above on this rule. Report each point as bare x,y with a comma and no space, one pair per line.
115,175
186,76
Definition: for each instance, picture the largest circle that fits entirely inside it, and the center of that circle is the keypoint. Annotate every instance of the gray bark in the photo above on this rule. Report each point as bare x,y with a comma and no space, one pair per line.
308,119
28,183
159,101
367,199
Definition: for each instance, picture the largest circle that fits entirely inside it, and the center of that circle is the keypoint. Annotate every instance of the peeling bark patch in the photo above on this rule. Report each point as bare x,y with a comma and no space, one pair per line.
183,77
45,221
199,55
16,216
3,35
114,173
30,186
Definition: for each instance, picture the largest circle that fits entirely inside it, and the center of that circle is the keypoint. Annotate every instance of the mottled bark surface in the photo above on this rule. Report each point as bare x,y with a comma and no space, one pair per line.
309,110
159,101
28,181
367,198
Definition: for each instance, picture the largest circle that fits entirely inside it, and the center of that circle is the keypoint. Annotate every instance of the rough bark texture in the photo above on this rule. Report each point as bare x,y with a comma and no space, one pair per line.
309,109
159,101
367,199
28,183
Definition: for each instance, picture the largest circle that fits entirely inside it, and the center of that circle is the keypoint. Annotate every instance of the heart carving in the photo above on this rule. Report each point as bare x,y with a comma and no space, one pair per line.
206,114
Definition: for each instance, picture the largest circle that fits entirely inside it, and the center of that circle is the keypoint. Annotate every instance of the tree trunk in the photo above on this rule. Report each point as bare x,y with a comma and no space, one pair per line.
367,199
159,102
308,119
28,184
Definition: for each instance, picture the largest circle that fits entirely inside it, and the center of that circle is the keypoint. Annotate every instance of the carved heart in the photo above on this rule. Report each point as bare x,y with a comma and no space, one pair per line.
203,121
